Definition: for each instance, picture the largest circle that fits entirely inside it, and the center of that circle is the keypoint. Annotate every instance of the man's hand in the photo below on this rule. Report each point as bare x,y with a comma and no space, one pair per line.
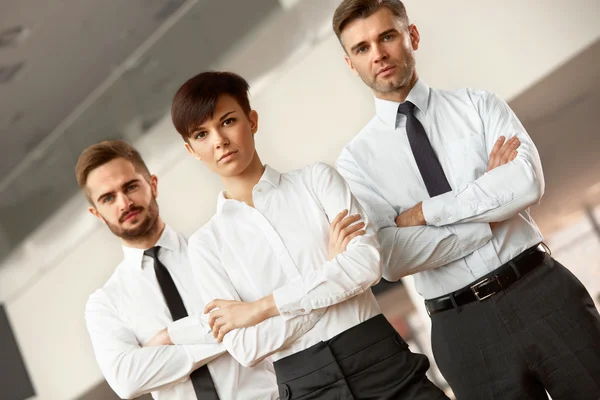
162,338
411,217
231,314
503,152
342,230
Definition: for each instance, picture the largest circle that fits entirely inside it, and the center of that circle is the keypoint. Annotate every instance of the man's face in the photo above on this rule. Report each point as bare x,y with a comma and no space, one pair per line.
123,198
380,49
225,142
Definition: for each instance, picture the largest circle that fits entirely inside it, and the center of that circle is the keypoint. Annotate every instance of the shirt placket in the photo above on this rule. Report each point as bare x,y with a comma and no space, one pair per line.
279,249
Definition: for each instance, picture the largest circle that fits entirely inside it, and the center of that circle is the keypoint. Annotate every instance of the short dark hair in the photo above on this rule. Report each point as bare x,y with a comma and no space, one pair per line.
350,10
101,153
195,101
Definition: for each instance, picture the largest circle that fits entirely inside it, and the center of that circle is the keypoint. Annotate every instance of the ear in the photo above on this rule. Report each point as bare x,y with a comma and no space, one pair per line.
96,214
350,65
154,185
253,118
415,36
191,151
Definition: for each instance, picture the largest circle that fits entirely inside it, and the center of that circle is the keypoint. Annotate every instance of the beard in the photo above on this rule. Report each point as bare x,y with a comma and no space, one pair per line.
401,80
145,228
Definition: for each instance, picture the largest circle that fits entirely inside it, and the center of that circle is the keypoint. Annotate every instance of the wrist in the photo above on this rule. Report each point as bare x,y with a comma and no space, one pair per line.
266,307
419,216
166,337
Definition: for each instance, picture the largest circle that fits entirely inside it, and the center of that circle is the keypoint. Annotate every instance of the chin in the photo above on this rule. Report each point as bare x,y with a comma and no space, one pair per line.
232,168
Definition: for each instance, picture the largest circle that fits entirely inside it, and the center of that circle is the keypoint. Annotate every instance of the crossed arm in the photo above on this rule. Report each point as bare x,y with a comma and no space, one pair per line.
425,237
503,152
267,331
250,332
132,369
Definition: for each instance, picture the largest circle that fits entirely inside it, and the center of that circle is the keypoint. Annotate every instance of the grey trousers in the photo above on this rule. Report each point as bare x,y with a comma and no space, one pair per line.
542,333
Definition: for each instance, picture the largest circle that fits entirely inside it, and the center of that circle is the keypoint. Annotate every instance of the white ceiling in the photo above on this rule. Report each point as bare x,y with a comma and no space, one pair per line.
105,69
96,70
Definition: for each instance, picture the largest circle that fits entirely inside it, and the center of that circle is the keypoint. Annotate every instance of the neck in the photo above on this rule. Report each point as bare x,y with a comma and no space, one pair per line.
149,240
240,187
399,95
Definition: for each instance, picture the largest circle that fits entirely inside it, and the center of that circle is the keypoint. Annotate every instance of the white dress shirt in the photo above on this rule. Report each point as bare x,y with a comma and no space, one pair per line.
280,247
130,309
462,127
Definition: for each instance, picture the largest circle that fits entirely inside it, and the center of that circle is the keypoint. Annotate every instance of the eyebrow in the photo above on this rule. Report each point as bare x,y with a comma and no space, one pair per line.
122,186
386,32
223,117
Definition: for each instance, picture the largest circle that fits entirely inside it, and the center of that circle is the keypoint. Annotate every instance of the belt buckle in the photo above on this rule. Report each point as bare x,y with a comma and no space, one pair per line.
475,287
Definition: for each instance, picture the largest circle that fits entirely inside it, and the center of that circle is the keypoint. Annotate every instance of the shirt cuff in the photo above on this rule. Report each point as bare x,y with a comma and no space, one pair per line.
291,300
191,330
437,211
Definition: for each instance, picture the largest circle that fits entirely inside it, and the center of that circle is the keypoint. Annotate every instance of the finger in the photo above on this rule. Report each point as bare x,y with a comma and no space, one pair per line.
513,155
218,303
509,153
218,326
353,228
497,146
352,236
349,220
222,332
215,315
494,154
209,306
510,145
339,217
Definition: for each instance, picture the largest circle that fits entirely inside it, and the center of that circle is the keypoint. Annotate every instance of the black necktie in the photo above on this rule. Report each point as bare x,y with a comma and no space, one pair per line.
428,163
201,379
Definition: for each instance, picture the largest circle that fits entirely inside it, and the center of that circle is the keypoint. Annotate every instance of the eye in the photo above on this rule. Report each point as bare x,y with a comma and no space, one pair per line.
200,135
131,187
107,199
387,38
361,49
229,121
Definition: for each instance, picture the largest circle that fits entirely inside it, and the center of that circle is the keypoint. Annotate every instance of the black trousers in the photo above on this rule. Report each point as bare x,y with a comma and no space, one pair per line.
543,332
368,361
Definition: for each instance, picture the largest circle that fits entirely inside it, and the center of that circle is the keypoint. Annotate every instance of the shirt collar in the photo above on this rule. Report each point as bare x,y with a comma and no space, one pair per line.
168,240
387,110
270,175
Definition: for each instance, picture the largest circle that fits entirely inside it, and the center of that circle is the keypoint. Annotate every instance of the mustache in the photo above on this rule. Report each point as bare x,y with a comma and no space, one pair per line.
132,209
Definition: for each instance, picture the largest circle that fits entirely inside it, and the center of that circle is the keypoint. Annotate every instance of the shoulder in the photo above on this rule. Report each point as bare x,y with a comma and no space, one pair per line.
364,135
206,234
107,296
468,96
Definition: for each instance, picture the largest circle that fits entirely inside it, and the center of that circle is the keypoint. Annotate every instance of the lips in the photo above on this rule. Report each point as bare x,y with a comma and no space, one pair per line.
385,69
131,214
227,156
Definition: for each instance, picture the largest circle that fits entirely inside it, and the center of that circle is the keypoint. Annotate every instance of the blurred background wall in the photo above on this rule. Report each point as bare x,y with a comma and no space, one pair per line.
76,72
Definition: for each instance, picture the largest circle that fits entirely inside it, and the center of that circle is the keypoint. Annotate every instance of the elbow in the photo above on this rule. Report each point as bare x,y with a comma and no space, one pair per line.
539,188
390,275
374,274
125,390
534,185
241,353
246,360
534,193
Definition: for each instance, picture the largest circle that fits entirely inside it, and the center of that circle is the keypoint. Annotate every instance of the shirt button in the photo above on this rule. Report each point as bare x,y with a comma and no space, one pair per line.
259,190
302,310
437,219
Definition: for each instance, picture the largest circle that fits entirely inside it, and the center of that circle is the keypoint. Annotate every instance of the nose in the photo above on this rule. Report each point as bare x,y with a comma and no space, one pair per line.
220,140
379,53
124,201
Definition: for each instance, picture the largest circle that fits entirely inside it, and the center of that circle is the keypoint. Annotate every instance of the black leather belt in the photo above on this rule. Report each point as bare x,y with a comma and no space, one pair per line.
496,281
